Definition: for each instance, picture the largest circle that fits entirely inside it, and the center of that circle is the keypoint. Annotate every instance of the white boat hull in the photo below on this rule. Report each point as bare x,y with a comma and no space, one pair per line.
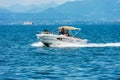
60,40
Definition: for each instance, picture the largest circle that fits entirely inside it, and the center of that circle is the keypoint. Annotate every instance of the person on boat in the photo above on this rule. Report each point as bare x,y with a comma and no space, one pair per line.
62,31
51,33
45,32
66,33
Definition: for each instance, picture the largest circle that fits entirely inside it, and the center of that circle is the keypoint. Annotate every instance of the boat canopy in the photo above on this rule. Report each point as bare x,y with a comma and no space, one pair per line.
69,28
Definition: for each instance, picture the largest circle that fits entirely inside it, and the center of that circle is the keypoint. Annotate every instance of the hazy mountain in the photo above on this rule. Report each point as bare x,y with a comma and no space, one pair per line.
31,8
73,11
3,10
17,8
85,9
42,7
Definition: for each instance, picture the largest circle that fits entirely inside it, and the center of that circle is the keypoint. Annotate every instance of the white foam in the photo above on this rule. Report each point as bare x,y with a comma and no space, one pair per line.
91,45
39,44
102,45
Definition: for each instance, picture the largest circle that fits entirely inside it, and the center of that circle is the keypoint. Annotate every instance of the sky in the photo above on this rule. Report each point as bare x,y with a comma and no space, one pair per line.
7,3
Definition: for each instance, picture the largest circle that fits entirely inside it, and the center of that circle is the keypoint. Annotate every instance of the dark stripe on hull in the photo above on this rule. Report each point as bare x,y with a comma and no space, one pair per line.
47,44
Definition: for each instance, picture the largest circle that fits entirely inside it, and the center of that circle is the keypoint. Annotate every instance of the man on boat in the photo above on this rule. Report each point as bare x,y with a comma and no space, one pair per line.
66,33
45,32
62,31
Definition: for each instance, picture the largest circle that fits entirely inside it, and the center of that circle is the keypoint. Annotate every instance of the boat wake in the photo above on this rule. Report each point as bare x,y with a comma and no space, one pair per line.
102,45
39,44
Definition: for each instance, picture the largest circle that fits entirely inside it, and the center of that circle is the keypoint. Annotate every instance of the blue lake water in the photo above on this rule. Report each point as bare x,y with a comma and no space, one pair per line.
21,61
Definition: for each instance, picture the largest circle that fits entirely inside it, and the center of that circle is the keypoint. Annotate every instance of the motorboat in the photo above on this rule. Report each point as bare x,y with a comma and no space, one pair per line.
61,40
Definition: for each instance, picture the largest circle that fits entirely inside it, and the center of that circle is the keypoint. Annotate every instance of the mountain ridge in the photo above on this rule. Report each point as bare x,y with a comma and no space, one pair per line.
74,11
18,8
87,9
